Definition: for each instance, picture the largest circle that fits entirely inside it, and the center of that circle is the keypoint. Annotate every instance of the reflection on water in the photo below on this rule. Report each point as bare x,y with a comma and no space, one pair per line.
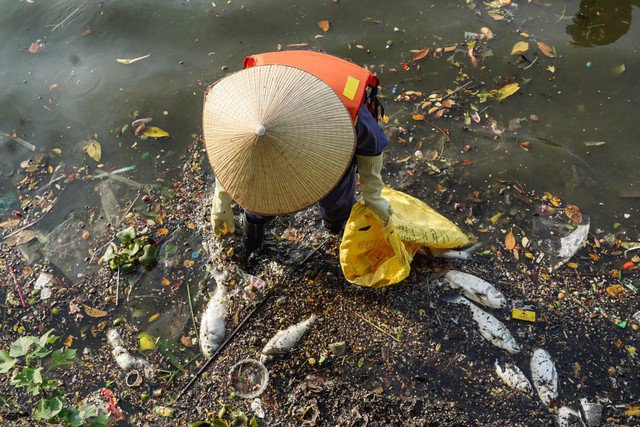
601,22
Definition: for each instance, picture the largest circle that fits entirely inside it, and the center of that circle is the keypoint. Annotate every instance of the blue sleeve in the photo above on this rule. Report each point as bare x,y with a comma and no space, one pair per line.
371,140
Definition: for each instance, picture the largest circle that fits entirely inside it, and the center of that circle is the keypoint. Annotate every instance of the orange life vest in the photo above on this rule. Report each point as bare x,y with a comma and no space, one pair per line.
348,80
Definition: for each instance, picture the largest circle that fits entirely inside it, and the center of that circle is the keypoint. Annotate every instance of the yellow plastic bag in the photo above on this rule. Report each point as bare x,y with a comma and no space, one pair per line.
376,256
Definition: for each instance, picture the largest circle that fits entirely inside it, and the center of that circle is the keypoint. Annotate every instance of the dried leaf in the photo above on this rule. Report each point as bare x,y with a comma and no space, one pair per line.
94,150
546,50
186,341
12,223
418,117
21,238
324,25
574,214
509,240
520,48
93,312
551,69
154,317
421,54
507,90
131,61
155,132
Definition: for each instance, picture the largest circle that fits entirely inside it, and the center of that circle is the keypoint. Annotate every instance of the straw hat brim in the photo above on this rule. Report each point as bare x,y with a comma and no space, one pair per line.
278,138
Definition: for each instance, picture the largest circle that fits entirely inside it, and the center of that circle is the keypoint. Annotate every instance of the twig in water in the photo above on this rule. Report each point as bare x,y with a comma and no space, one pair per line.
458,89
69,16
118,288
214,356
440,129
193,318
15,280
377,327
129,208
20,141
310,254
529,66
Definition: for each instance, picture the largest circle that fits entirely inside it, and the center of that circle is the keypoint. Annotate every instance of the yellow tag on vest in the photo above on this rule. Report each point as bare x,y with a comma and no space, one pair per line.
351,87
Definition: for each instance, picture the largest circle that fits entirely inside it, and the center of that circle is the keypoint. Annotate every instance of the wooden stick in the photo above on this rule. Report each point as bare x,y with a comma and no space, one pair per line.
67,18
377,327
440,129
458,89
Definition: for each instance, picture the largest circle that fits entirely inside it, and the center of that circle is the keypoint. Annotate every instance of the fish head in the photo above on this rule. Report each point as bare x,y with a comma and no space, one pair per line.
512,346
547,395
496,299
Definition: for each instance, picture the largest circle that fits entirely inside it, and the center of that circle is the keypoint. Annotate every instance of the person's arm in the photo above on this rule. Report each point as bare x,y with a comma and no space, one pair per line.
371,141
222,219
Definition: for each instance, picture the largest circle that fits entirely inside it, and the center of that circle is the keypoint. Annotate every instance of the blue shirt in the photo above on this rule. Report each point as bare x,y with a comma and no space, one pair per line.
370,139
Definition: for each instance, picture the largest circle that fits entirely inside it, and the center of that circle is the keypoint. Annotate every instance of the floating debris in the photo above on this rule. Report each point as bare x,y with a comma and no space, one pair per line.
568,417
284,340
572,243
124,359
212,327
592,412
545,377
476,289
513,377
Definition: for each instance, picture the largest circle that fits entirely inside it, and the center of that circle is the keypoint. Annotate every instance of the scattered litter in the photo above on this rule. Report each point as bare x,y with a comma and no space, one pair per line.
522,310
249,378
545,377
592,412
131,61
19,140
338,348
43,284
572,243
133,378
476,289
568,417
256,407
124,359
284,340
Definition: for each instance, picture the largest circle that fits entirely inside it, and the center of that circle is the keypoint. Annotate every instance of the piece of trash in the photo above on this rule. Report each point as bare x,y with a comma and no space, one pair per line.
212,326
512,376
256,407
285,340
521,310
252,285
248,378
489,327
133,379
338,348
131,61
476,289
466,254
592,412
594,143
572,243
309,413
568,417
545,377
105,402
19,140
43,284
164,411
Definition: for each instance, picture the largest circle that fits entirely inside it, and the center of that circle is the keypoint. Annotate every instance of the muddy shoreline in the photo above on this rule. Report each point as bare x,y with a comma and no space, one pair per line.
424,363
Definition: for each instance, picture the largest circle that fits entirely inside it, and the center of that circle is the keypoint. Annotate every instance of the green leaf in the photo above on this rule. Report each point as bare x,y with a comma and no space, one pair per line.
21,346
48,408
27,376
101,420
127,268
253,422
218,422
7,365
201,424
148,257
4,356
63,356
110,253
48,338
126,235
50,384
360,362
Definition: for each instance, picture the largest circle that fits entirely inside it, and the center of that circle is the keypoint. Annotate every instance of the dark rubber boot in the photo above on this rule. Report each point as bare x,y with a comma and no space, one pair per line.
252,235
333,227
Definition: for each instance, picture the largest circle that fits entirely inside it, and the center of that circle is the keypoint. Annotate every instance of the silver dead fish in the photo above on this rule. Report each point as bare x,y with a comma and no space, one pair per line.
284,340
544,375
466,254
490,328
476,289
568,417
513,377
124,359
212,327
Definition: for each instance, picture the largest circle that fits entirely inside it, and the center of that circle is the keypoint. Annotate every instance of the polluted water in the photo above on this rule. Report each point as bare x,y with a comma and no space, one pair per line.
284,340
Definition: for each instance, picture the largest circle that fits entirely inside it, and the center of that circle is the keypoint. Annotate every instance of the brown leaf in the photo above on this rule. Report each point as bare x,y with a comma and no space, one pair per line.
546,50
421,54
10,224
520,48
574,214
21,238
186,341
510,240
93,312
324,25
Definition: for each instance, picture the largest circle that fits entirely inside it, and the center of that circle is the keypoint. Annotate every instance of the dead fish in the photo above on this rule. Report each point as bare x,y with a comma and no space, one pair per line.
572,243
544,375
568,417
284,340
490,328
592,412
467,254
124,359
476,289
212,327
513,377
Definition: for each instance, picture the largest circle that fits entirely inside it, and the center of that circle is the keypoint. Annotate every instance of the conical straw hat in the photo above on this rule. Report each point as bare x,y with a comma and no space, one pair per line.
278,138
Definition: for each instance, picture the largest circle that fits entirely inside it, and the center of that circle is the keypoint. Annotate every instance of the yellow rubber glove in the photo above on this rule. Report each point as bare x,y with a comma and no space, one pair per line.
369,168
222,219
